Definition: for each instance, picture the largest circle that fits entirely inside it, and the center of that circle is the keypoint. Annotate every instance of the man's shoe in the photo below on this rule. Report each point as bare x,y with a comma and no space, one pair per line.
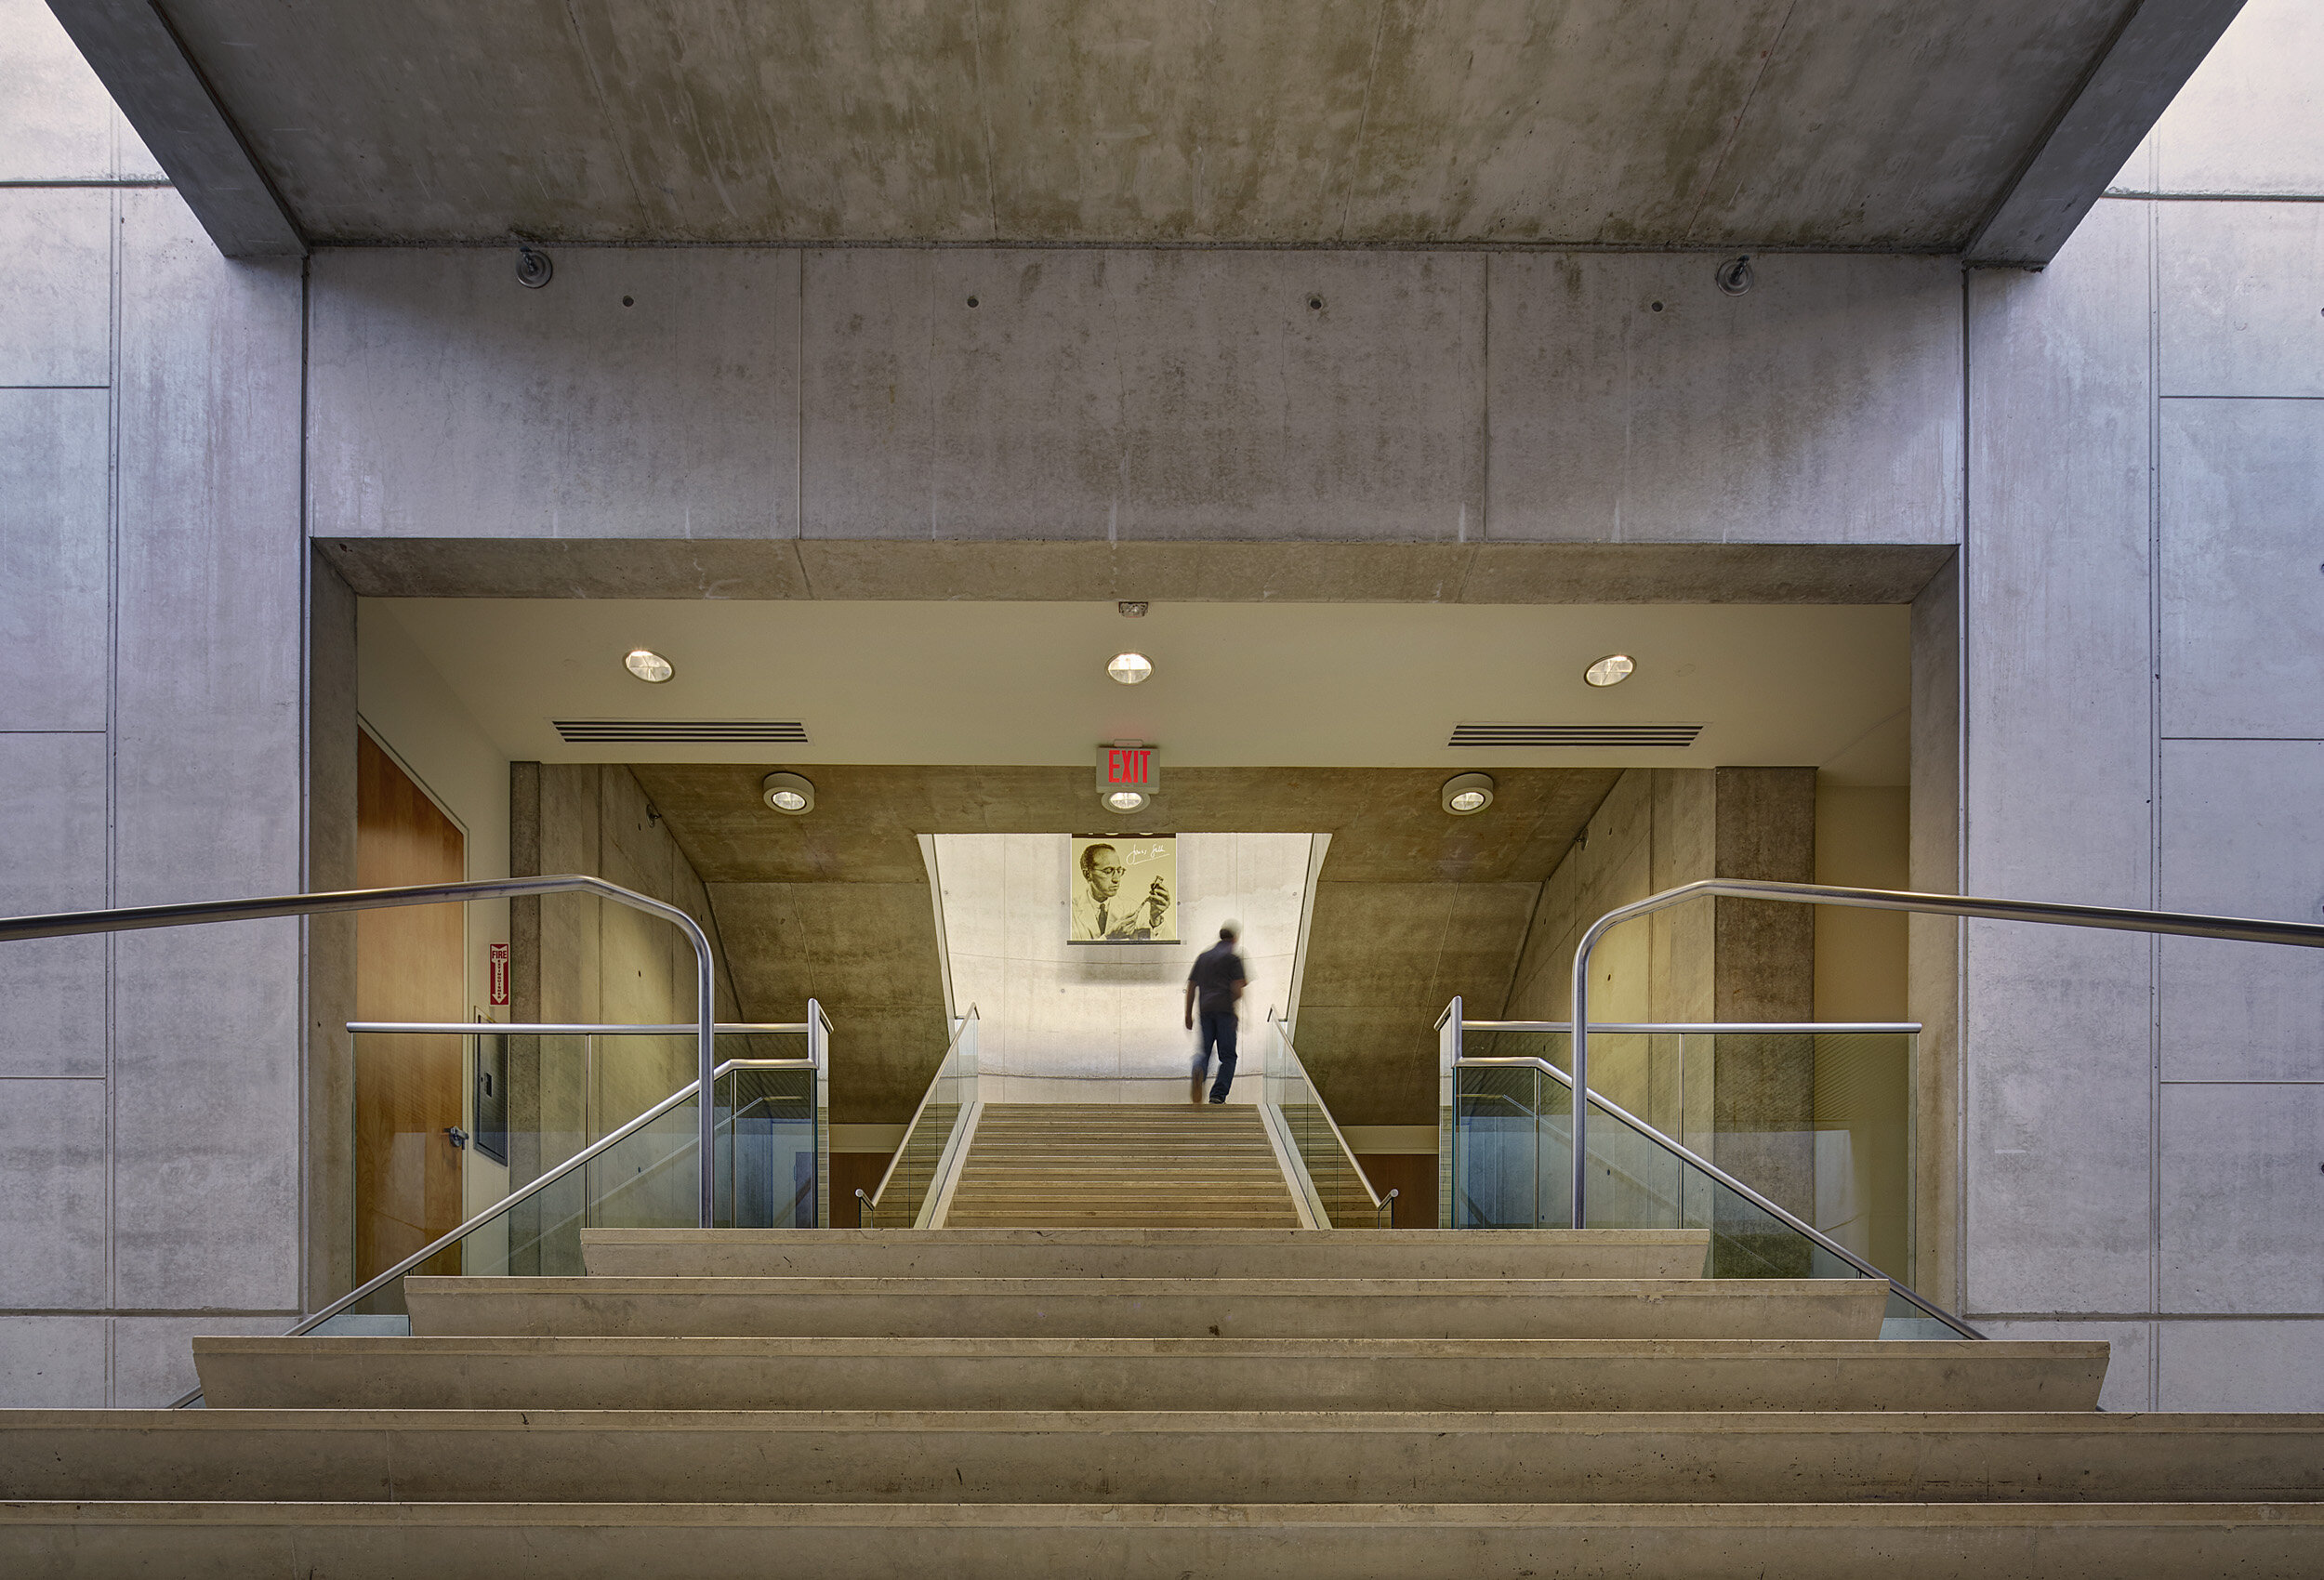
1218,1099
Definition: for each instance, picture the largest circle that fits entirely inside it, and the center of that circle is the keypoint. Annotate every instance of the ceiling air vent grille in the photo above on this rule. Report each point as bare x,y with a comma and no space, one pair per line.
675,730
1603,736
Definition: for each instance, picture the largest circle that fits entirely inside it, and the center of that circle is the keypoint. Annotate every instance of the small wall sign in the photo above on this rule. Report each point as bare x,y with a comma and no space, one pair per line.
496,974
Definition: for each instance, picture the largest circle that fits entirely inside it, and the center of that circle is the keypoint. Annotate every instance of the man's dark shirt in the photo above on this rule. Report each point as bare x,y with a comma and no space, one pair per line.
1217,969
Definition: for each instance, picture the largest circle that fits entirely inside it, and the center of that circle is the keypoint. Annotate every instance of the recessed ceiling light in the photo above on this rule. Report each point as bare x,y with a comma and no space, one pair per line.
649,666
1126,800
1466,793
1611,670
1129,667
787,793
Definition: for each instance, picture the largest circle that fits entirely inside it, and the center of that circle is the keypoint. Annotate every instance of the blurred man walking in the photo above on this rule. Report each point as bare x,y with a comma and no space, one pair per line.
1213,988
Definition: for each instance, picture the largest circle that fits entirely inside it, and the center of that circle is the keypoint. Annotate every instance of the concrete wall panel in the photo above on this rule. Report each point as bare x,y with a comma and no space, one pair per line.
2239,838
2243,1199
52,1214
154,1356
208,775
2251,117
2242,569
52,858
2239,1365
56,120
55,554
448,401
1824,407
2058,1118
2238,301
56,285
1157,395
52,1362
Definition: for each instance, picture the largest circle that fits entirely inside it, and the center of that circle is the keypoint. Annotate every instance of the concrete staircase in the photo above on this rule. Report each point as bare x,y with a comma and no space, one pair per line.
1152,1404
1107,1166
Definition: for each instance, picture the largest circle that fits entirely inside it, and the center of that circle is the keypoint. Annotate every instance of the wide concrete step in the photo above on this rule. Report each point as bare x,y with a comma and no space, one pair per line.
1150,1308
1034,1216
997,1541
1162,1456
1154,1253
1127,1374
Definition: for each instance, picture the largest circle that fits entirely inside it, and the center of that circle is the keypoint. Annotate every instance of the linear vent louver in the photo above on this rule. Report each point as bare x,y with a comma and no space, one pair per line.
675,730
1604,736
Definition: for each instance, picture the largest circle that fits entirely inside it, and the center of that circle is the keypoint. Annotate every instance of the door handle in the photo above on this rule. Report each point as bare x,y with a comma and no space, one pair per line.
458,1135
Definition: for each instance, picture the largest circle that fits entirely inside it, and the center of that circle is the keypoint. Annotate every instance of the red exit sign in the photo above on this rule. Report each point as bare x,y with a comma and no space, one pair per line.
1128,765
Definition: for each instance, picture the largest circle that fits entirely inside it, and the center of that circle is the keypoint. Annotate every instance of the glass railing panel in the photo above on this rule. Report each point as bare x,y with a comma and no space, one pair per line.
912,1174
1843,1156
1346,1197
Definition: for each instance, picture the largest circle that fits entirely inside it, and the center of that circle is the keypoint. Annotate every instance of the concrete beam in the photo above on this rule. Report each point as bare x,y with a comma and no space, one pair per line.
2118,102
136,53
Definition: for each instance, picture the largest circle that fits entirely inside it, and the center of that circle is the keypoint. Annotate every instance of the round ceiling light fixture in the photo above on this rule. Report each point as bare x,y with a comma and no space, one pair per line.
1129,667
787,793
1125,800
1466,793
1611,670
648,665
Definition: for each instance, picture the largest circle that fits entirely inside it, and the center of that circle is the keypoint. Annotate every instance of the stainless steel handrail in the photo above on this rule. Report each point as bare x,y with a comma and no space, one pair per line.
1680,1150
1282,1031
572,1029
525,1193
1694,1027
2184,924
138,918
926,1097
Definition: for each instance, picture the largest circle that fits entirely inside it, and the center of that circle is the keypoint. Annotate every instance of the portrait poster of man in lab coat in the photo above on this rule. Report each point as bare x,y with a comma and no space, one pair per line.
1124,890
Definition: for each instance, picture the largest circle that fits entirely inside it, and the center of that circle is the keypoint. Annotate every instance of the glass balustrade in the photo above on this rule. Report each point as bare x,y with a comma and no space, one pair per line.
771,1157
1841,1162
916,1171
1345,1195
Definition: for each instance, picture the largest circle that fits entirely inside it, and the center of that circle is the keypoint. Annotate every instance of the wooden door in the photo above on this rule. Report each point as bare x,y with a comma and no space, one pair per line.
408,966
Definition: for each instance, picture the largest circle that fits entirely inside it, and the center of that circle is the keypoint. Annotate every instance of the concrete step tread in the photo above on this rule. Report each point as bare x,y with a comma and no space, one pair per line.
1417,1238
1177,1374
1126,1288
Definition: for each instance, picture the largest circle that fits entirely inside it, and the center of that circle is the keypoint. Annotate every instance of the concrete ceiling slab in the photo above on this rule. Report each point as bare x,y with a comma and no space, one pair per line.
1888,124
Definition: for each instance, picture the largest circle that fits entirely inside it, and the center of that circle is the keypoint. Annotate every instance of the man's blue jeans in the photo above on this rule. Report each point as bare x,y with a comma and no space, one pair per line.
1218,1029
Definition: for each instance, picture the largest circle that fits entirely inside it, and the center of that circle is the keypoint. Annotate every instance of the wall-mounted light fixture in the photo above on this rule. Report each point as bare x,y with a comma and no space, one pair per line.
1611,670
1466,793
1129,667
787,793
648,665
1125,800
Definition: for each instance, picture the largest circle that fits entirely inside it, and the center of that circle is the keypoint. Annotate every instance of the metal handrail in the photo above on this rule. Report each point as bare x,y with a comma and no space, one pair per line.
572,1029
523,1193
138,918
2186,924
872,1201
1283,1033
1680,1150
1695,1027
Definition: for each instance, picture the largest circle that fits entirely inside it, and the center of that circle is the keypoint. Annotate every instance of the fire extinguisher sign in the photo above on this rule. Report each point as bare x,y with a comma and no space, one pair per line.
496,970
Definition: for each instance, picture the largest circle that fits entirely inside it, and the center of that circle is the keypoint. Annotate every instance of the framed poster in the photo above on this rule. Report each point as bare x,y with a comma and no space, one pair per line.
1122,890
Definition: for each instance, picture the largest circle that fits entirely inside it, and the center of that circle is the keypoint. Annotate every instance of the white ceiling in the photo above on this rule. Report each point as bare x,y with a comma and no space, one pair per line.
1235,684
